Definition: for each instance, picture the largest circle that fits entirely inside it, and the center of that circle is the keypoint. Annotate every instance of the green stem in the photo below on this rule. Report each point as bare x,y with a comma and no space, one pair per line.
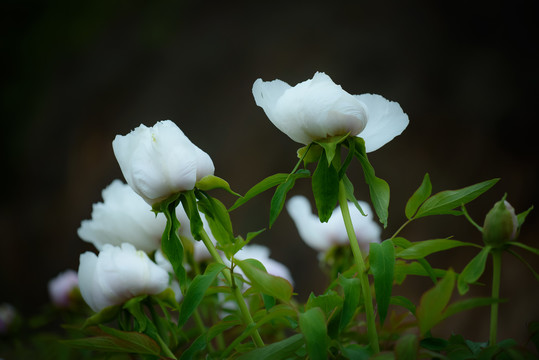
496,275
247,318
363,277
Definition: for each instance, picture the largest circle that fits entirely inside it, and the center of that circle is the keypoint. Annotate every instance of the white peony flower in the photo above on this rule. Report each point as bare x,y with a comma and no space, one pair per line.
160,161
321,236
118,274
123,217
61,287
318,108
262,254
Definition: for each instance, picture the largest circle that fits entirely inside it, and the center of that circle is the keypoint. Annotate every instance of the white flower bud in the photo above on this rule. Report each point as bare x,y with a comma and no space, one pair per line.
118,274
160,161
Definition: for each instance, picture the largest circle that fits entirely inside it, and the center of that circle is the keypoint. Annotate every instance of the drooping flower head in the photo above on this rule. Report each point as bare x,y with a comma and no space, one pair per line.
118,274
61,288
318,108
123,217
160,161
321,236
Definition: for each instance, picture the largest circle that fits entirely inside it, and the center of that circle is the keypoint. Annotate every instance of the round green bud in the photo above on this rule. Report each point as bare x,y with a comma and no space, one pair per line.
500,225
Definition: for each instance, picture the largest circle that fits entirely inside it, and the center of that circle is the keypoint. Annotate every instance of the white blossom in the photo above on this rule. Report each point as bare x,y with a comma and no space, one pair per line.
122,217
321,236
318,108
160,161
117,274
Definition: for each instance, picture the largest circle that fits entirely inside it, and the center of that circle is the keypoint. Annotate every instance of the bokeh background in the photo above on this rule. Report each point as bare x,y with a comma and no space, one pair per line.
75,74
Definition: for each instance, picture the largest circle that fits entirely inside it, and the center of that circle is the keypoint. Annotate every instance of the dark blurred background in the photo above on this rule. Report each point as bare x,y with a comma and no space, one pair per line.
75,74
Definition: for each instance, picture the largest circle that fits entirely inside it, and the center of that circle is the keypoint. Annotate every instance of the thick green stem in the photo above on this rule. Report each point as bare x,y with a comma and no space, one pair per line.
247,318
363,277
496,275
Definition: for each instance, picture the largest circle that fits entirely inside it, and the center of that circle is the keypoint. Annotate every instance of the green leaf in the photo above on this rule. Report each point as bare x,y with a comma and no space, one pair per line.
279,197
473,270
210,182
522,216
419,196
403,302
421,249
524,246
352,291
433,302
535,274
198,345
189,202
407,347
328,302
264,282
118,341
325,184
170,241
196,291
313,326
468,304
107,314
262,186
444,202
349,189
378,188
218,218
382,261
279,350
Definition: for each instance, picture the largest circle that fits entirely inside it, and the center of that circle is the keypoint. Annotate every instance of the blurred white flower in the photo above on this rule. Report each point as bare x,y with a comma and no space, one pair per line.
262,254
61,287
160,161
318,108
321,236
7,316
123,217
118,274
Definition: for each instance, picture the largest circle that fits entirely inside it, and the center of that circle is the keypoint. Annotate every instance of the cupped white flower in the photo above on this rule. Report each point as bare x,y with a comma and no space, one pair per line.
318,108
160,161
321,236
123,217
118,274
61,287
262,254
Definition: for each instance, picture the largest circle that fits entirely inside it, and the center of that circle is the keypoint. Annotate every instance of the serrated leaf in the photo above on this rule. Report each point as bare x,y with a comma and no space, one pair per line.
265,184
196,291
421,249
433,302
264,282
313,326
419,196
276,351
325,185
445,202
473,270
382,261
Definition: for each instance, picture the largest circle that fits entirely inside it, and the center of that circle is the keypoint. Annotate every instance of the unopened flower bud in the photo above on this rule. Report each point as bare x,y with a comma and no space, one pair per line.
501,224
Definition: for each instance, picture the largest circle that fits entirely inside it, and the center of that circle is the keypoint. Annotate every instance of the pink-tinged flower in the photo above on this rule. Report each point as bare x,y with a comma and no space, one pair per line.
160,161
318,108
61,288
123,217
118,274
321,236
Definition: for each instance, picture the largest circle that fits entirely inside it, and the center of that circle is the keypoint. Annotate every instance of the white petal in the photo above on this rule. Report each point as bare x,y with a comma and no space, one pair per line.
87,284
266,94
386,119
